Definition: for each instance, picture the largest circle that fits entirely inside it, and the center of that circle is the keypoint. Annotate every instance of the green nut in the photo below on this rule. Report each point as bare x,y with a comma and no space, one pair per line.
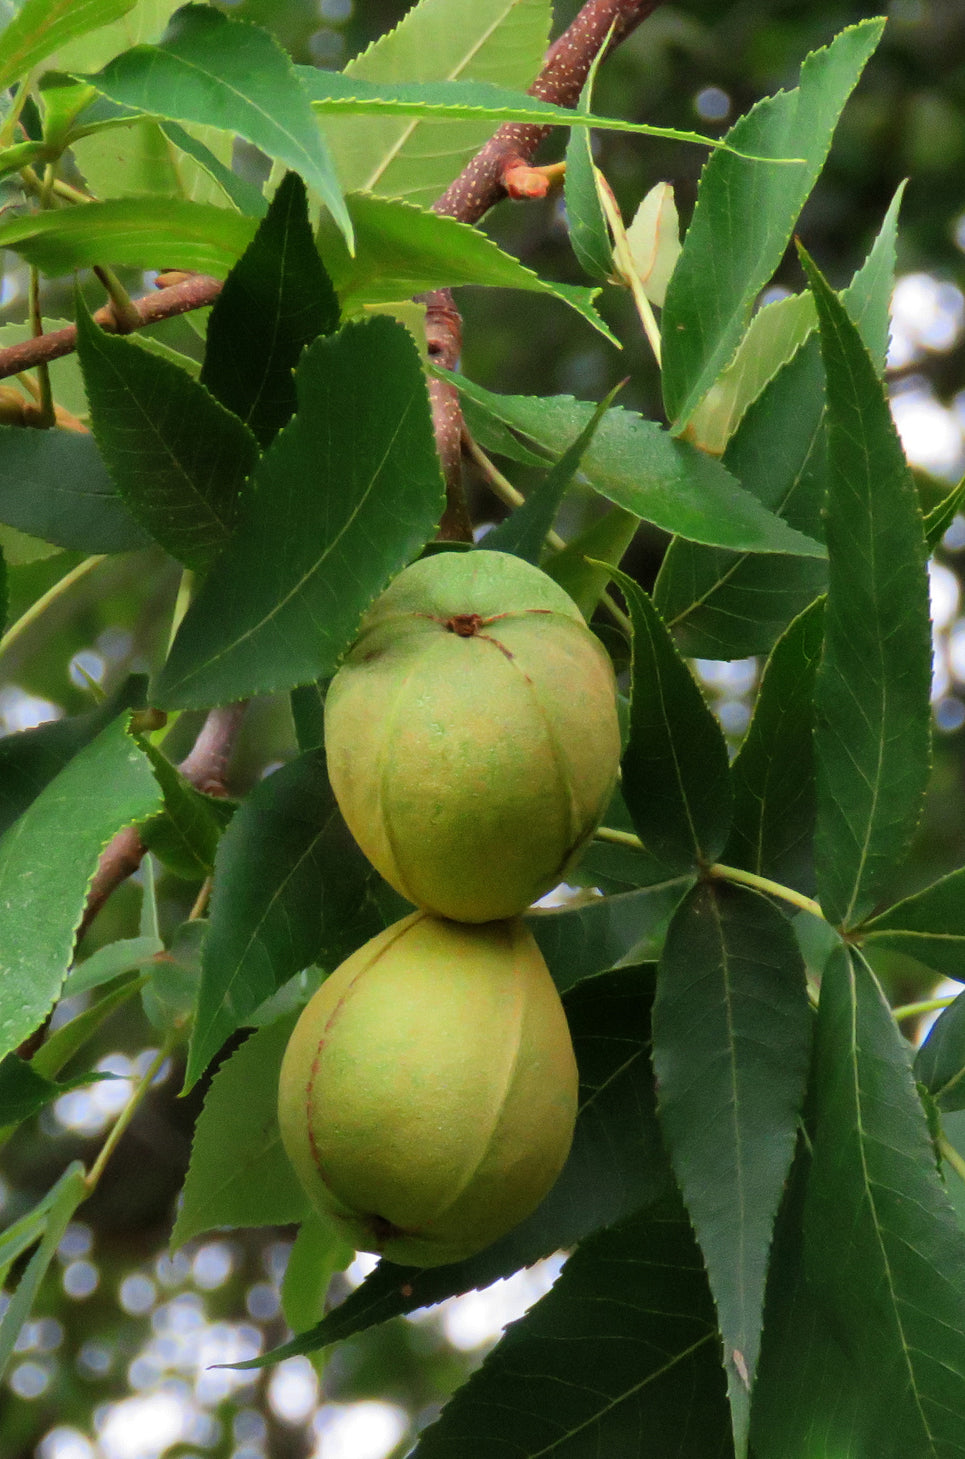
472,736
428,1092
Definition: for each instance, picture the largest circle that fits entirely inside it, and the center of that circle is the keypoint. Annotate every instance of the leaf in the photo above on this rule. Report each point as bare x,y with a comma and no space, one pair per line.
871,697
675,776
110,962
64,1199
940,1062
106,786
54,485
589,235
929,926
615,1168
577,567
773,774
24,1092
178,458
144,22
402,250
69,1038
524,531
449,41
605,932
357,471
225,73
186,834
142,232
940,518
241,193
40,26
637,465
290,889
275,301
623,1346
317,1254
883,1249
653,238
731,1037
239,1174
745,214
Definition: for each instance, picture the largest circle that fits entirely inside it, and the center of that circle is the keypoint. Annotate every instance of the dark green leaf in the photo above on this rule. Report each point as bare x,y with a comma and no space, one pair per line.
940,518
177,456
290,889
773,774
24,1092
186,835
54,485
884,1251
676,779
41,26
940,1062
344,497
731,1041
616,1166
107,785
871,697
275,301
225,73
636,465
576,568
589,235
246,197
605,932
308,714
622,1353
239,1174
745,215
929,926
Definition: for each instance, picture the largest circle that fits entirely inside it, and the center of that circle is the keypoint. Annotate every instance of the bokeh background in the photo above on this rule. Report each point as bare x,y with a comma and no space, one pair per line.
119,1362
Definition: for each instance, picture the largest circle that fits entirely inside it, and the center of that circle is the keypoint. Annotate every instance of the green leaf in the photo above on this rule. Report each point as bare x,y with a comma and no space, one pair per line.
69,1038
449,41
40,26
63,1200
178,457
110,962
524,531
275,301
929,926
225,73
624,1346
290,889
317,1254
106,786
871,697
401,250
357,471
30,760
675,776
589,234
605,932
54,485
940,1062
616,1166
186,835
640,467
144,22
940,518
239,1174
773,774
142,232
745,215
242,194
577,567
731,1038
884,1251
24,1092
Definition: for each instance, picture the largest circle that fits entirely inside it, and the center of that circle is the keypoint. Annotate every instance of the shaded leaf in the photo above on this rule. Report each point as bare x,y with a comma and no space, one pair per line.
675,775
24,1092
61,1203
317,1253
54,485
238,190
290,889
107,785
40,26
344,497
884,1251
275,301
745,215
731,1040
871,697
585,221
178,458
186,834
940,518
577,568
940,1062
605,932
928,926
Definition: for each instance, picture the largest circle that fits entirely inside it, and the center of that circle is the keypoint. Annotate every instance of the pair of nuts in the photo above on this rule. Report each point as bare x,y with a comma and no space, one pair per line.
428,1093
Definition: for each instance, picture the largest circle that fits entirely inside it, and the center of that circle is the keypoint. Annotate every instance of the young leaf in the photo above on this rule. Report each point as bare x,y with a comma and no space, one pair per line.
676,779
616,1166
640,467
225,73
402,250
318,1252
871,696
731,1040
884,1251
178,458
290,889
929,926
623,1346
773,774
275,301
344,497
40,26
54,485
745,214
239,1174
940,1062
448,41
106,786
